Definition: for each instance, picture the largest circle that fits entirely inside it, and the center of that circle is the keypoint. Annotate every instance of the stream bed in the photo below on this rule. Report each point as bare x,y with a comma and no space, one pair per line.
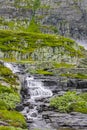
36,93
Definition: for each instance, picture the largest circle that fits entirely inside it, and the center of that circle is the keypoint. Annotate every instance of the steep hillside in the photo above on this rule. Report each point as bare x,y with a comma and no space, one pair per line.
38,47
64,17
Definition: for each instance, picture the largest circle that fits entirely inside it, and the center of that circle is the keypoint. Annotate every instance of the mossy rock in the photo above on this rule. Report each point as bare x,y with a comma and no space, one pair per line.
10,128
13,118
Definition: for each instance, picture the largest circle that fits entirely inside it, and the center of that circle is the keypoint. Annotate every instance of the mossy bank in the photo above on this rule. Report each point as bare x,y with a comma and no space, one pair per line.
9,98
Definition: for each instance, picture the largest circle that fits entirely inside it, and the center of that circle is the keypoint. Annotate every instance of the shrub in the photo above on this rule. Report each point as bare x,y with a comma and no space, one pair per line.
9,100
13,118
10,128
70,101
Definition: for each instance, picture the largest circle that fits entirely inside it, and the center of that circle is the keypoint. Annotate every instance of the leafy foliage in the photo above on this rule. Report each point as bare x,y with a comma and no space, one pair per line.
70,101
77,75
7,75
63,65
33,27
13,118
25,43
44,72
10,128
8,98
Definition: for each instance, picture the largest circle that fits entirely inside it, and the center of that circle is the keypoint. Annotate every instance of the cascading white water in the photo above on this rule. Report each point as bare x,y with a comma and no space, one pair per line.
37,89
82,43
13,68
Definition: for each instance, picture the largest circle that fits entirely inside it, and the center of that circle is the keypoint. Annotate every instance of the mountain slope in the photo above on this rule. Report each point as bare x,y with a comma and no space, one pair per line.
38,46
64,17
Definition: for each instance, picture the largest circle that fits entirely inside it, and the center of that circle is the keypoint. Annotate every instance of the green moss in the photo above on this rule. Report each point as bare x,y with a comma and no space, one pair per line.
8,98
25,43
63,65
36,4
33,27
4,89
27,4
70,101
10,128
77,75
7,75
13,118
44,72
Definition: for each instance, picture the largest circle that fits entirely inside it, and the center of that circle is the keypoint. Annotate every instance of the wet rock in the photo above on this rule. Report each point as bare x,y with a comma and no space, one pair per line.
30,120
3,123
19,107
34,114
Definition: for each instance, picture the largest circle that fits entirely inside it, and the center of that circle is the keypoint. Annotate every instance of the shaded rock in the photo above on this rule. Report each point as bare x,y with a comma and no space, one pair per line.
19,107
76,83
34,114
4,123
73,120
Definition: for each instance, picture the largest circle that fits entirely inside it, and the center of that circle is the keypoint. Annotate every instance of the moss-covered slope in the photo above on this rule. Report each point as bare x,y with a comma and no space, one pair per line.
38,46
9,98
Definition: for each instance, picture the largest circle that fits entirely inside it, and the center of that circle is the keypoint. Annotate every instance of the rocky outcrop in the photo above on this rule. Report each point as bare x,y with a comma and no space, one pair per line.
72,120
64,17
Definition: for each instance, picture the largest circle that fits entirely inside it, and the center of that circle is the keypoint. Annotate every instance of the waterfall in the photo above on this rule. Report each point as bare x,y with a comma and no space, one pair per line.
14,68
82,43
36,93
37,89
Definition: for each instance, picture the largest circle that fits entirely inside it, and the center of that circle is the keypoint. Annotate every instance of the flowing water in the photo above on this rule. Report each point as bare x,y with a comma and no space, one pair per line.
36,94
36,91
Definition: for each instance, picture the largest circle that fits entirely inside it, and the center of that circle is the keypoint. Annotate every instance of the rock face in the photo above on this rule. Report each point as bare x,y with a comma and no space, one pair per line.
64,17
73,120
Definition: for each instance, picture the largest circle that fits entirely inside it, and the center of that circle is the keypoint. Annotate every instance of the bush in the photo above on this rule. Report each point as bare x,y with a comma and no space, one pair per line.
8,98
5,89
10,128
70,101
13,118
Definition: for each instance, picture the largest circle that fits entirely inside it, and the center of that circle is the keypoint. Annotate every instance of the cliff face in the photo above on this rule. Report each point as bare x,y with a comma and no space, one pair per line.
64,17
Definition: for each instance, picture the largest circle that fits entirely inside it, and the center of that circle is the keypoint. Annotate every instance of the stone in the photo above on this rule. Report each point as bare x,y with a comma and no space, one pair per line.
19,107
3,123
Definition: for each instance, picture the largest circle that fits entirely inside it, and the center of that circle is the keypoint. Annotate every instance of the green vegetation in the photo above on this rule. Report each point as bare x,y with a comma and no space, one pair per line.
9,98
70,101
77,75
33,27
7,75
44,72
13,118
24,4
63,65
36,4
21,45
10,128
27,4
